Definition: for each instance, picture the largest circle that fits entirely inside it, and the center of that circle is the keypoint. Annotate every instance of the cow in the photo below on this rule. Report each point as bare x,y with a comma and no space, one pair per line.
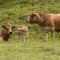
6,32
47,21
22,31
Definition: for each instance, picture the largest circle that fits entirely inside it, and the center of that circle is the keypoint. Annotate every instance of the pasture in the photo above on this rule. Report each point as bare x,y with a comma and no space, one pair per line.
16,12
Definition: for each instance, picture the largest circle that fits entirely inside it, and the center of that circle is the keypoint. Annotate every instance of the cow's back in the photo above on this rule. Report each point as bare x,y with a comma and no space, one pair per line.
56,20
47,19
51,19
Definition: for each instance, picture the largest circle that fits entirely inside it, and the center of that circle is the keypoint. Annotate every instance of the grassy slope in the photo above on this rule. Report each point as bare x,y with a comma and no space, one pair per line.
13,12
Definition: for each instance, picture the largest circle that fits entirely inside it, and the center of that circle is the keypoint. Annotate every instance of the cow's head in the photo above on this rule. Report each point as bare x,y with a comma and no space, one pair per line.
33,18
36,18
7,30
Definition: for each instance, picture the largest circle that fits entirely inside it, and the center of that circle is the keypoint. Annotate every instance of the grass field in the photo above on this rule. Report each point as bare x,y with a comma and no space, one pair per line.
16,12
36,49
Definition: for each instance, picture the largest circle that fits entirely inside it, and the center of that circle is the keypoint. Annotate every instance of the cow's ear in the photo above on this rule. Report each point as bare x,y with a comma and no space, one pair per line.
3,26
13,27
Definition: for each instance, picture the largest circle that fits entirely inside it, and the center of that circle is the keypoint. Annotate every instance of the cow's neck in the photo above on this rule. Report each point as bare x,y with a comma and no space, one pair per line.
40,21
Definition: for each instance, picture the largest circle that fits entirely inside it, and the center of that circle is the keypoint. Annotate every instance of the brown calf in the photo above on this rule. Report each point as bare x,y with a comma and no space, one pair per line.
22,30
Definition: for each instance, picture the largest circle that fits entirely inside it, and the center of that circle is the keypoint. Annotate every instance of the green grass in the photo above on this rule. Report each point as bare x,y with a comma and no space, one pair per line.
16,12
34,50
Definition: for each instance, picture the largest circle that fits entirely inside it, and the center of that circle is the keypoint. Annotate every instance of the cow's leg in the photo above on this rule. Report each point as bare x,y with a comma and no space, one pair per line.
46,32
45,29
19,37
52,28
46,36
24,37
27,37
53,36
53,33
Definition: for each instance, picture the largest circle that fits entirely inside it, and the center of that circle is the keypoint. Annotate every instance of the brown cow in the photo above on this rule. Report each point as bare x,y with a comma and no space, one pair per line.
47,21
6,32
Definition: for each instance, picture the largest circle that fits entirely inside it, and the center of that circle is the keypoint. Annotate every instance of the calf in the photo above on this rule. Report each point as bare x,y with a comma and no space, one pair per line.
22,30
